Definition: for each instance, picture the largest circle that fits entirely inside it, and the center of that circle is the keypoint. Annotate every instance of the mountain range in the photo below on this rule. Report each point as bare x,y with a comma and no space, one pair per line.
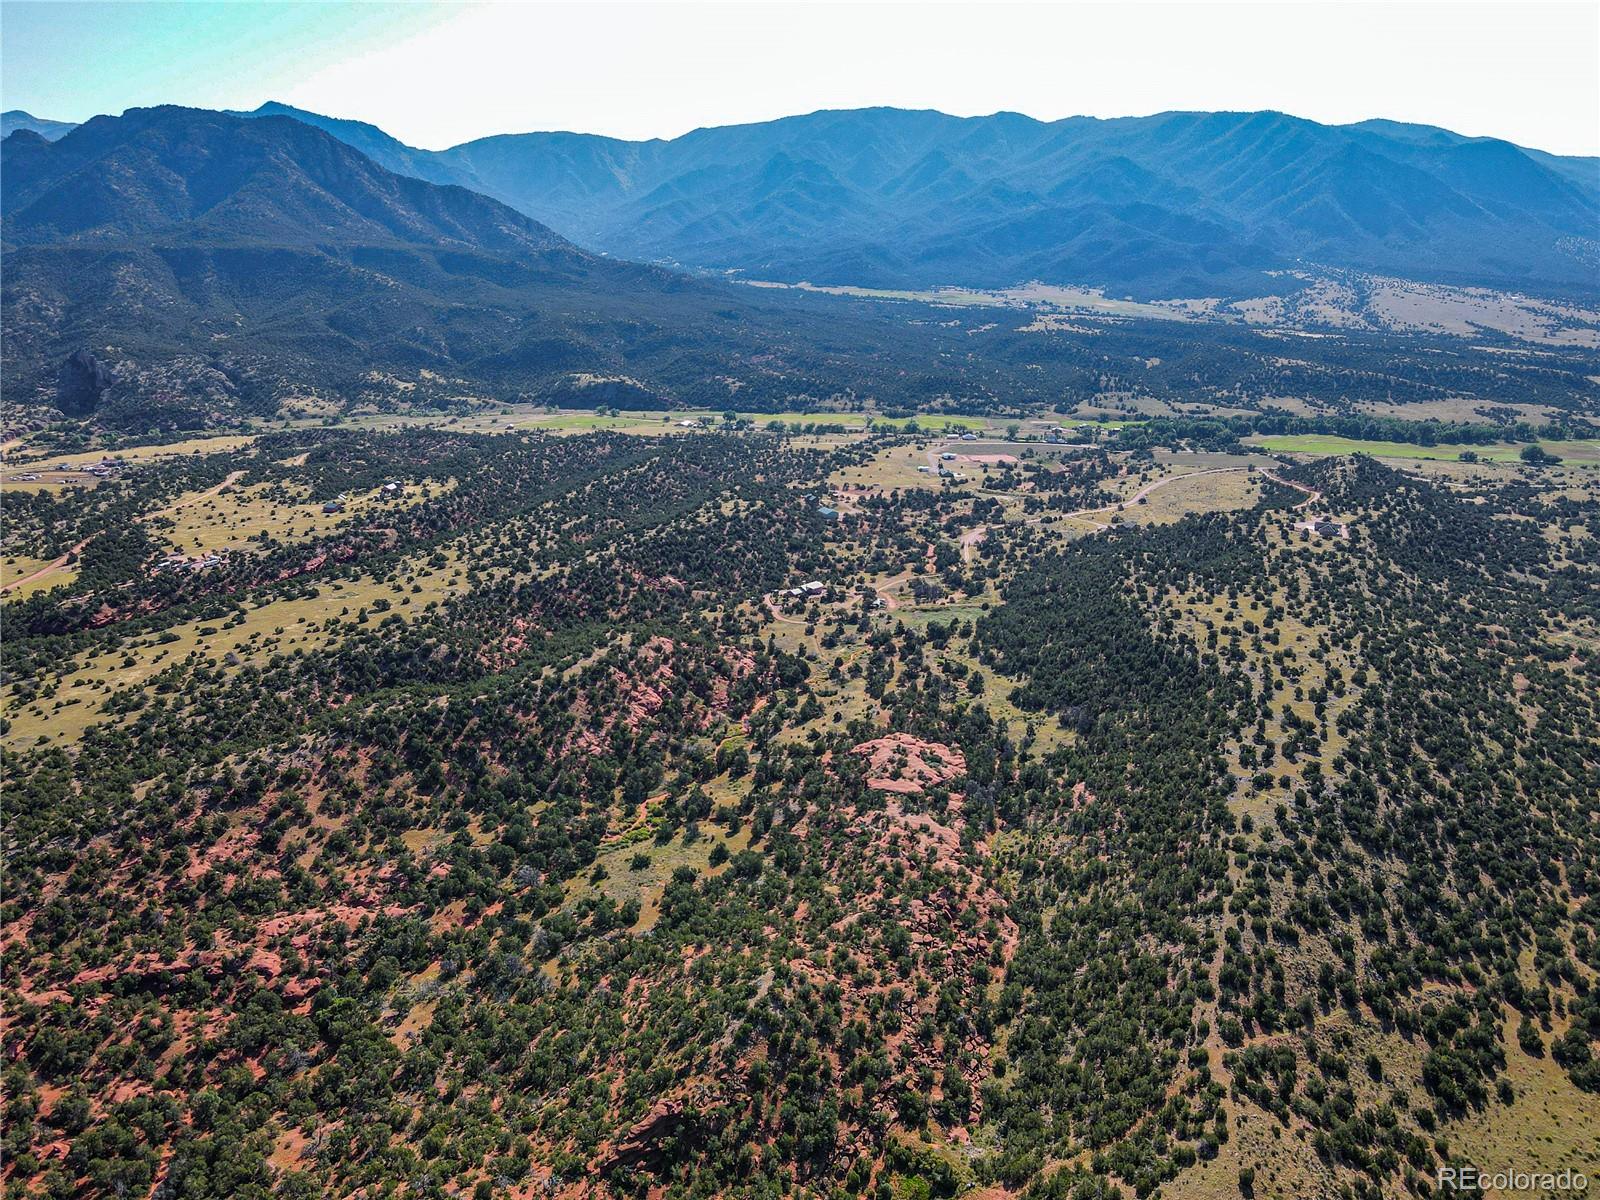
14,119
203,177
1176,204
174,267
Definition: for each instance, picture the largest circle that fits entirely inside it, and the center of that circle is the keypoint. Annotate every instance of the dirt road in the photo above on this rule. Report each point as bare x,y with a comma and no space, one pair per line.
1312,495
969,542
55,565
1085,513
885,590
971,538
179,506
49,568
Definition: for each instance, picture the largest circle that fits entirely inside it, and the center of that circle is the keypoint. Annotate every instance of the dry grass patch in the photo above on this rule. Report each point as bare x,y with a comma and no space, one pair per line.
77,698
234,518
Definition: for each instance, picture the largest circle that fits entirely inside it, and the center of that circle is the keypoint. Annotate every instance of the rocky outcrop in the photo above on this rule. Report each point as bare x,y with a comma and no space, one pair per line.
647,1142
82,381
908,765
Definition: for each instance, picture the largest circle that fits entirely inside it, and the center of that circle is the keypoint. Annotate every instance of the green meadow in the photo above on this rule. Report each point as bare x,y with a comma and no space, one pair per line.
1584,452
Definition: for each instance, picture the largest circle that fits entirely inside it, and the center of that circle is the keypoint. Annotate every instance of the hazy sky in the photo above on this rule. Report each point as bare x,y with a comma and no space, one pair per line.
436,74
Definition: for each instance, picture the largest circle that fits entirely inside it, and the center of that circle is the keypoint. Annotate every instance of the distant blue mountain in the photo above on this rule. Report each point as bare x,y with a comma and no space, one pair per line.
386,151
1178,203
15,119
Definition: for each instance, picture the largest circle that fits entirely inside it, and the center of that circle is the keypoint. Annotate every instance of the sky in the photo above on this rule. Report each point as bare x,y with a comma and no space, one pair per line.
435,74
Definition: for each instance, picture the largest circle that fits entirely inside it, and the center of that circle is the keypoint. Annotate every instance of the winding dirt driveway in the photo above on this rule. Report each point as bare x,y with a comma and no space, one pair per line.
184,502
1311,493
1087,514
50,568
969,542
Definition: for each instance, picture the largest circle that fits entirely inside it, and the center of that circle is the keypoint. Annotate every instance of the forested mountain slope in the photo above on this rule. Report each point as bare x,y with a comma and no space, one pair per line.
182,268
175,269
1181,203
192,176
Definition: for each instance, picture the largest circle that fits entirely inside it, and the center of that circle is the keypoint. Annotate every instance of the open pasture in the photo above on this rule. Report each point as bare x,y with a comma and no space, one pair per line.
21,576
26,458
1585,452
77,697
233,517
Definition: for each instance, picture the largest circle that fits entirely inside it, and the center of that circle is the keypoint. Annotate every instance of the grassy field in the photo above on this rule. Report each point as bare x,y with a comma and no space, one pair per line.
1031,296
503,417
900,467
623,882
1586,453
233,517
135,454
1550,1125
915,465
1225,492
15,566
202,522
52,482
283,626
957,297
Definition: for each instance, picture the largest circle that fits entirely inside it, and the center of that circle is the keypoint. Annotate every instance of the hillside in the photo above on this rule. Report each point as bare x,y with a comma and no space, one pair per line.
482,810
177,269
986,745
174,267
1177,204
201,177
